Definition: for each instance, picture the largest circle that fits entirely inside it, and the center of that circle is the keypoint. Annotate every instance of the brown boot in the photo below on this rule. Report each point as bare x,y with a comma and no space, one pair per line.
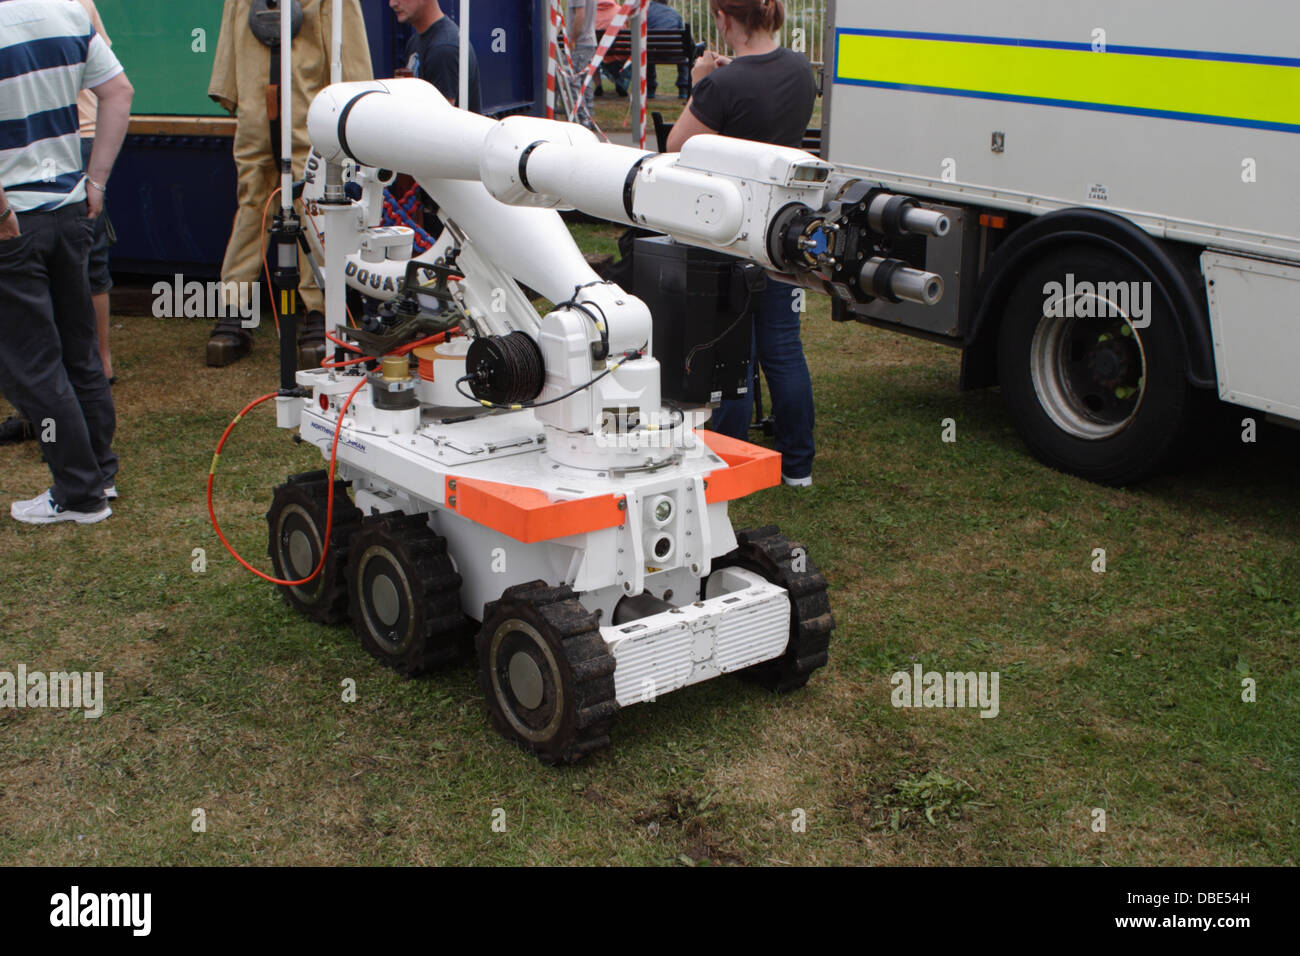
228,343
311,340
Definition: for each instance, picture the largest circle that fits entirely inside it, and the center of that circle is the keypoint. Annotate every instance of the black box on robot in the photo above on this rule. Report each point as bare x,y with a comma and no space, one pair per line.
702,305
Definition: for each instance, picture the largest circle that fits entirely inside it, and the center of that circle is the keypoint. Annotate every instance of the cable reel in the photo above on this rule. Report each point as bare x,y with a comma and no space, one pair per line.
505,369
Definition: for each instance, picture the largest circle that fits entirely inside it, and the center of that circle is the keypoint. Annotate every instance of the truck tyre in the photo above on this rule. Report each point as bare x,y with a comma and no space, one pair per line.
1093,366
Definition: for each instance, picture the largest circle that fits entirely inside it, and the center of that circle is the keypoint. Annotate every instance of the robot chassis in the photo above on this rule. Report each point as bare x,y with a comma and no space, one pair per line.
526,475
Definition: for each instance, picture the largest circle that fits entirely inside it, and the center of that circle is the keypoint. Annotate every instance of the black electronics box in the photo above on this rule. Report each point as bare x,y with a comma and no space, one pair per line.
702,304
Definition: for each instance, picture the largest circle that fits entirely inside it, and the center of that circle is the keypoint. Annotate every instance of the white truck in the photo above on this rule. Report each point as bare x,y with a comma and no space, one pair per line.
1121,178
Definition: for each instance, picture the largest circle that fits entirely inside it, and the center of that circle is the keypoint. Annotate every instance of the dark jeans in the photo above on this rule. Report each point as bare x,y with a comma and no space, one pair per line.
49,356
780,351
663,17
100,279
660,17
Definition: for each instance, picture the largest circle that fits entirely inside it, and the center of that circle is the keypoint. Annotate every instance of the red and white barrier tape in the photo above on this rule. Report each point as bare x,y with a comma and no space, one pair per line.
621,16
552,60
645,17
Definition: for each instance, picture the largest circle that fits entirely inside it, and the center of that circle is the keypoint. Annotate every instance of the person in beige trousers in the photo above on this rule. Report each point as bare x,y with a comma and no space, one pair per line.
240,75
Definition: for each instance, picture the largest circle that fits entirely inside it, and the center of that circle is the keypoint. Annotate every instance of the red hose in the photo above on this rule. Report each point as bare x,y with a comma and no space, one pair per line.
334,448
329,507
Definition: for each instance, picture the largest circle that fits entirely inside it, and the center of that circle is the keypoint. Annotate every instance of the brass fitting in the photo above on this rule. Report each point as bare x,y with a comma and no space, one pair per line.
396,368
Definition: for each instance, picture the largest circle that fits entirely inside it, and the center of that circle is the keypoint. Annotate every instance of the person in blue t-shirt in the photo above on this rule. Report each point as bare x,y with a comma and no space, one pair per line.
433,52
660,16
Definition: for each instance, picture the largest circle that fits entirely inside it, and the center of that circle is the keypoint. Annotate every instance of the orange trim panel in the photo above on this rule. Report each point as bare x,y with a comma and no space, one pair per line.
749,468
528,514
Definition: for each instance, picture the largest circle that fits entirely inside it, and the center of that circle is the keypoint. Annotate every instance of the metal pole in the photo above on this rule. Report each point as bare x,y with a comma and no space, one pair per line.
286,108
638,89
284,277
336,44
463,100
336,205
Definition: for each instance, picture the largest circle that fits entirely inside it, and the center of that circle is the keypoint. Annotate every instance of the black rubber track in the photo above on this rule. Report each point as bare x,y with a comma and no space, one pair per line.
438,627
325,599
767,552
587,669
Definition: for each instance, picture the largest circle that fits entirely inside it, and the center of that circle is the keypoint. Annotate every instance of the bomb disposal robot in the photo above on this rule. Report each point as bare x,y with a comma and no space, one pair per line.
526,474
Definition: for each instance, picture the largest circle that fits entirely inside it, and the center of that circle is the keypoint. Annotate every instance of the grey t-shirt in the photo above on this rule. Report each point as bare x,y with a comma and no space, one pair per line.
588,35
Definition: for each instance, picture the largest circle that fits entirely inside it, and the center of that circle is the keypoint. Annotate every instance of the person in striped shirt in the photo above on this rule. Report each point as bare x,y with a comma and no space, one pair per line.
50,368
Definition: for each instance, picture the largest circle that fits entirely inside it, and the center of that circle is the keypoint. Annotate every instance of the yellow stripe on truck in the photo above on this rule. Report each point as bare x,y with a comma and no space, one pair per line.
1199,87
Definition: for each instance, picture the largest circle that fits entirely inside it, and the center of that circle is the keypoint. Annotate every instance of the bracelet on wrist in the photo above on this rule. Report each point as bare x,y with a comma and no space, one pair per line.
100,186
8,211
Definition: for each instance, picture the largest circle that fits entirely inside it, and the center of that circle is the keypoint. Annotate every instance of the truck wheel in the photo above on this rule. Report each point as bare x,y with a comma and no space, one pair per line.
768,553
546,673
404,594
295,533
1094,388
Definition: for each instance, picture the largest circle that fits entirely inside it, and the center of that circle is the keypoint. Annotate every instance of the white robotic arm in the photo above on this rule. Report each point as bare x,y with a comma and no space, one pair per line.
779,207
498,184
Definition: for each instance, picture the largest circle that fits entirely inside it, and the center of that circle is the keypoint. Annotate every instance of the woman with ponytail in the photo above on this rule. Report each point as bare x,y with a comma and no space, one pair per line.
765,92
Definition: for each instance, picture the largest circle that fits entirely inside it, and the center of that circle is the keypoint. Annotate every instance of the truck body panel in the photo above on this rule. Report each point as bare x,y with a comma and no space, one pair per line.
1180,117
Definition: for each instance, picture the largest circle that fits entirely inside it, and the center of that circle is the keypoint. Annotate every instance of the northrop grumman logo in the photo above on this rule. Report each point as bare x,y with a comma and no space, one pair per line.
77,909
350,442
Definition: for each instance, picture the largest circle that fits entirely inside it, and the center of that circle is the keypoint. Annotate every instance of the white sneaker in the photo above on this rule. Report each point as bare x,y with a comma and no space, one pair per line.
110,492
796,482
43,510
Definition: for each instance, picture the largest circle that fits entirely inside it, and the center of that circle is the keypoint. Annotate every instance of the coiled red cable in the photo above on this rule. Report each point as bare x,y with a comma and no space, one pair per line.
334,447
329,507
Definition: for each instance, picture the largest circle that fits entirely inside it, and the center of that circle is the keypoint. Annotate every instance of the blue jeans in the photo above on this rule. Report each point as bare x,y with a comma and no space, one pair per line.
779,349
624,81
659,17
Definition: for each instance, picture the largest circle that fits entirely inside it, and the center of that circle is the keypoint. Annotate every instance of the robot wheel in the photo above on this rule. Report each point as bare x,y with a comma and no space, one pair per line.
546,673
296,533
404,594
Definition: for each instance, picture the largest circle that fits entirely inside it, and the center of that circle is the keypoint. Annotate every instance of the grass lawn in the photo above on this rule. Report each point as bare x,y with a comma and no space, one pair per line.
1119,691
